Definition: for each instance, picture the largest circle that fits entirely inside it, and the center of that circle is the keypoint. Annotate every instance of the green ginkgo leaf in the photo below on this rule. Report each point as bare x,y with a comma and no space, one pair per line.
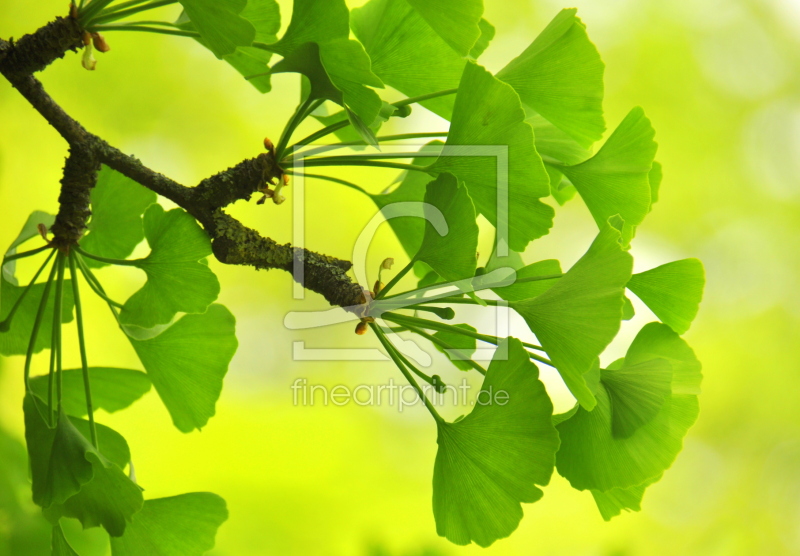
616,179
183,525
673,291
109,500
522,290
317,45
457,347
450,243
654,177
59,545
612,502
411,193
593,457
637,393
29,230
115,228
490,461
506,182
553,143
177,280
560,76
220,24
408,54
580,314
456,21
112,389
187,363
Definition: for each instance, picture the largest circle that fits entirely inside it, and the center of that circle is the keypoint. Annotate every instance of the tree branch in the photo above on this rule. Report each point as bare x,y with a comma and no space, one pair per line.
232,242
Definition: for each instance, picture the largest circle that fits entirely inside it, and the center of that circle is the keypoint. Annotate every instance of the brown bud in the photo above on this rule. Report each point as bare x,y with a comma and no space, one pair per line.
100,43
361,328
42,230
268,145
87,38
378,287
285,179
387,263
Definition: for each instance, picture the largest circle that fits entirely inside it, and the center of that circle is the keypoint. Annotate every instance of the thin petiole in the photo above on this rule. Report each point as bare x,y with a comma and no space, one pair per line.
37,323
82,343
157,30
5,324
98,288
322,133
57,309
332,179
120,262
392,351
24,254
92,9
421,98
444,345
395,280
348,161
300,114
116,13
477,289
380,138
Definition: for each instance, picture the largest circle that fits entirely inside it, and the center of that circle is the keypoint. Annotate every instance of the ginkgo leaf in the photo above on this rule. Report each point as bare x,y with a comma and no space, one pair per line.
490,461
183,525
220,24
654,177
112,389
411,192
29,230
59,545
117,206
612,502
109,500
580,314
187,363
592,457
673,291
458,347
560,75
520,290
636,393
177,280
487,34
553,143
456,21
317,45
507,181
450,243
615,180
408,54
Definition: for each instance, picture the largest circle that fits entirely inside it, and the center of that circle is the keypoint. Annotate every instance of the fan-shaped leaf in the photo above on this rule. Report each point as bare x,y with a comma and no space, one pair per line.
115,228
592,457
187,363
59,545
491,460
456,21
183,525
578,316
112,389
672,291
636,393
219,22
612,502
560,75
521,290
177,280
505,182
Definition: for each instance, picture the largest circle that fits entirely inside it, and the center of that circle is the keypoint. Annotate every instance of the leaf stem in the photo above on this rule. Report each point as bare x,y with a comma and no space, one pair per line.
57,309
24,254
348,161
145,29
330,178
37,323
5,324
301,113
76,294
90,10
327,130
380,138
120,262
422,98
94,283
477,289
396,357
396,279
444,345
113,14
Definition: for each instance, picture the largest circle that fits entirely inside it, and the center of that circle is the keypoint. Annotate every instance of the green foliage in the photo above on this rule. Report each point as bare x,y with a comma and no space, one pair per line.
514,139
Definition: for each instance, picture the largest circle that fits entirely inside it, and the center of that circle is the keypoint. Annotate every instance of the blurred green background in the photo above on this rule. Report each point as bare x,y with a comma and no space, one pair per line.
720,81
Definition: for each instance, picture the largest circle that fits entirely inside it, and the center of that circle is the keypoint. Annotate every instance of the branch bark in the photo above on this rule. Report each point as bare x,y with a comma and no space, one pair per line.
232,241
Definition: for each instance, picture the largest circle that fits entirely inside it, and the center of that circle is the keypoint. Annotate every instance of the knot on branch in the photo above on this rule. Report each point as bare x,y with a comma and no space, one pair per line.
36,51
80,177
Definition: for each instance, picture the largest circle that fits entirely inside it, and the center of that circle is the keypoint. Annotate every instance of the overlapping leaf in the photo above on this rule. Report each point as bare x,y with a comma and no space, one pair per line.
112,389
491,149
457,347
490,461
183,525
616,179
612,502
560,76
577,317
14,340
59,545
593,457
177,279
220,24
409,54
456,21
187,363
115,228
673,291
521,290
316,44
450,242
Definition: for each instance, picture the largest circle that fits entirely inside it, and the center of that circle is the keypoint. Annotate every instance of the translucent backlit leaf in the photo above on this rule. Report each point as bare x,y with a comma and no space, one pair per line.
458,348
490,461
636,393
220,23
521,290
456,21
